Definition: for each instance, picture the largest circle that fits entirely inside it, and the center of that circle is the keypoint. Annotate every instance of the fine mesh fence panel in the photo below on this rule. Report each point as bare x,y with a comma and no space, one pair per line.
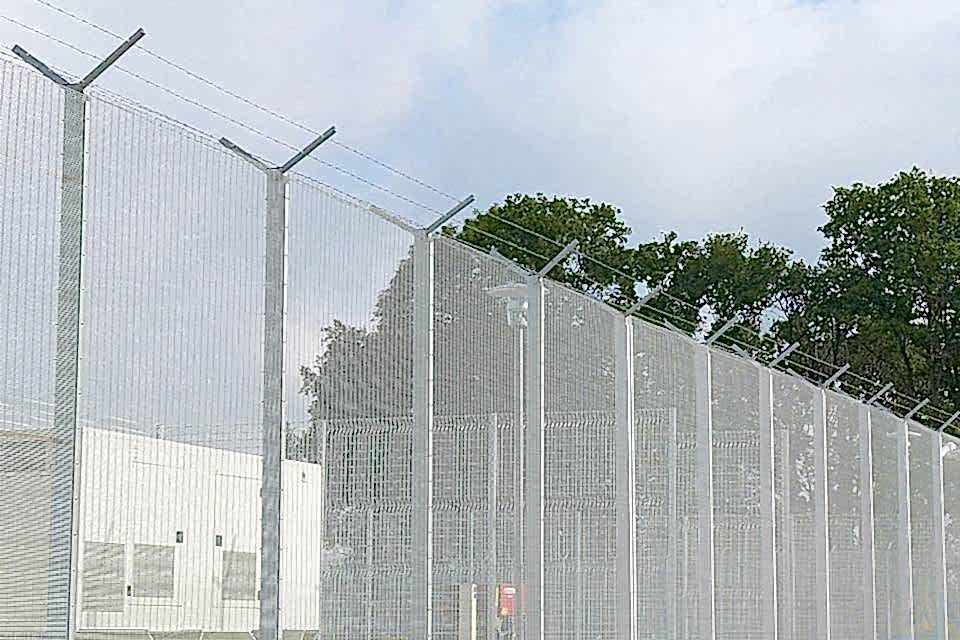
923,555
736,497
580,510
35,449
844,523
950,452
170,428
795,491
668,533
170,374
345,562
478,347
890,529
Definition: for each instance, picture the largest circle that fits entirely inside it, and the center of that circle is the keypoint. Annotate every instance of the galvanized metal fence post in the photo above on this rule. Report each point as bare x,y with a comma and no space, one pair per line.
785,608
65,551
62,609
939,564
422,481
421,523
673,599
820,514
493,511
625,481
904,557
273,429
768,542
704,486
534,466
866,523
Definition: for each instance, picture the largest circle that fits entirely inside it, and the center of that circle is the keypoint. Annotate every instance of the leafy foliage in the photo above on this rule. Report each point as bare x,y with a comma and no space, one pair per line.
884,295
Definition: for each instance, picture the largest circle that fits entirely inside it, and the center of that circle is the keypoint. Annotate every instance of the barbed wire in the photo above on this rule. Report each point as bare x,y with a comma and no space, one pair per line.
274,113
214,112
650,307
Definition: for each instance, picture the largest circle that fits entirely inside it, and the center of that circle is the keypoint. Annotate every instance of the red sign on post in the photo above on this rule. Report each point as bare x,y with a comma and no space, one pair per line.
507,600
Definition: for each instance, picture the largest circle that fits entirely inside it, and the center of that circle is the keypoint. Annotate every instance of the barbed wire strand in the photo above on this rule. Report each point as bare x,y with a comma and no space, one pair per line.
250,103
652,307
228,118
412,202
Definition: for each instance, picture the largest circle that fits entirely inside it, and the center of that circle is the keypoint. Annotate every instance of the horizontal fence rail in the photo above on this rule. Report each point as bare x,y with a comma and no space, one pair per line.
258,407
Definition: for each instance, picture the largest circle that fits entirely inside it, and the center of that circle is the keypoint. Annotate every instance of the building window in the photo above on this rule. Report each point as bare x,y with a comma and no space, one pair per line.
103,577
153,567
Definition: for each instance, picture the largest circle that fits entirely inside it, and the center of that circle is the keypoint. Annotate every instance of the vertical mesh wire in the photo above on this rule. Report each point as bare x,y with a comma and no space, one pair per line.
923,554
35,485
950,452
478,346
844,525
580,509
736,498
170,373
668,531
795,490
345,563
891,585
170,393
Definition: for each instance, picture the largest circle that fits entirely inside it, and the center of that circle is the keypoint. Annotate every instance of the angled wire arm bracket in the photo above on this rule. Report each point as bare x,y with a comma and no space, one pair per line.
920,405
642,301
442,220
557,259
879,394
949,421
783,355
109,60
722,330
88,79
836,376
289,164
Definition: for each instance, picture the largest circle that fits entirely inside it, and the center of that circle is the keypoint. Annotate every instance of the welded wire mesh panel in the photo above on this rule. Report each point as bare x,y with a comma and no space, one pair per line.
35,450
580,508
736,497
890,529
171,368
345,562
844,524
925,557
478,346
950,452
668,532
795,493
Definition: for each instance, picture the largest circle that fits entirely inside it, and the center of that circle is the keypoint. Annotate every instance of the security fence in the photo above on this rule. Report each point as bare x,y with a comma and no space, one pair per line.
263,408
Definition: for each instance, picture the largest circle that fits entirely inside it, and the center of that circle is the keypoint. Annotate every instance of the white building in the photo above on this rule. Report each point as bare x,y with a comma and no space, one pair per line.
168,536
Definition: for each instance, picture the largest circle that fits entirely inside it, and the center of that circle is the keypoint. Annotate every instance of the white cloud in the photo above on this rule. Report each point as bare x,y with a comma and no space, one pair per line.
697,115
720,115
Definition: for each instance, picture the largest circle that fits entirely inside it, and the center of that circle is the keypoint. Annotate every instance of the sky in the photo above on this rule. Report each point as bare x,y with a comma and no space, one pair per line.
695,116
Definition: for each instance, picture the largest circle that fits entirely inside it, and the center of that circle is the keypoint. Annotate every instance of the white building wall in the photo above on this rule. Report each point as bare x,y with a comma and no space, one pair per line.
140,491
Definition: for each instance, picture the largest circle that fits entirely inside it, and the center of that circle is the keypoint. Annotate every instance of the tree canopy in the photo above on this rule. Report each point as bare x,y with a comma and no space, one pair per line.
883,295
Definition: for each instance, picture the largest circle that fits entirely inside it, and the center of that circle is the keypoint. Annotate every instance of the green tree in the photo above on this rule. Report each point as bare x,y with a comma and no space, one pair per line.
722,273
530,230
885,296
366,372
